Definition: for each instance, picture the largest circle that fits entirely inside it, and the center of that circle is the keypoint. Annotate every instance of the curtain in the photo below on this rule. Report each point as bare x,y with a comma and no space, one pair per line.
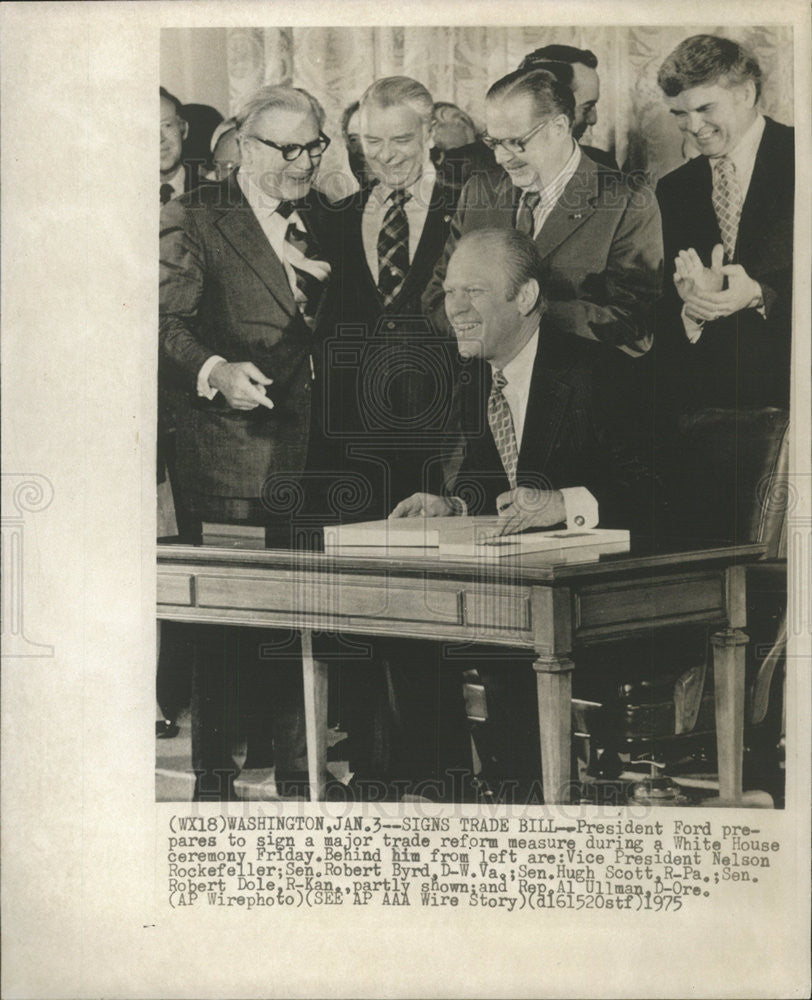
458,64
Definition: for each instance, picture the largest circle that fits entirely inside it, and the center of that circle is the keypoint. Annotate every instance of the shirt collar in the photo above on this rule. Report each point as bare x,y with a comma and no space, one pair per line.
421,190
519,370
743,154
552,191
262,204
178,180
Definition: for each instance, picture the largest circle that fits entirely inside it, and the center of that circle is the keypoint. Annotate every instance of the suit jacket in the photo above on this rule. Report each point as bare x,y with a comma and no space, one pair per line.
601,250
224,291
390,373
741,359
567,441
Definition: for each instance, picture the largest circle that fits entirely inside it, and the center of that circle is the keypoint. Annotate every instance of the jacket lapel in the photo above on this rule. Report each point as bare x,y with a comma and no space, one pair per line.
760,194
547,406
240,227
576,205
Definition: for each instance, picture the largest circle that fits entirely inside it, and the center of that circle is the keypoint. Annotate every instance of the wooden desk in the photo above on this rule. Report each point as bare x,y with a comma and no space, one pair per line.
529,602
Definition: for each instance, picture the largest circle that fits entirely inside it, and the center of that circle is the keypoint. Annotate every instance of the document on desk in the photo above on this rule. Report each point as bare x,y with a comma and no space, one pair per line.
469,537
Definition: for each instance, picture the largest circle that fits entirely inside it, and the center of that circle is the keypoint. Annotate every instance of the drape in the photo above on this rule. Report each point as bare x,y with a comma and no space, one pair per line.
459,63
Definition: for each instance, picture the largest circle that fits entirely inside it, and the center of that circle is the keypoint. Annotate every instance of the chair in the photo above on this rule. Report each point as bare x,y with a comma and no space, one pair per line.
725,476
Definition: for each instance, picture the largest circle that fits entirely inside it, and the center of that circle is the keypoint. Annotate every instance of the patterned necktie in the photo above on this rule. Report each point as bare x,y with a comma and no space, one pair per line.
302,253
727,202
166,193
393,247
501,424
525,219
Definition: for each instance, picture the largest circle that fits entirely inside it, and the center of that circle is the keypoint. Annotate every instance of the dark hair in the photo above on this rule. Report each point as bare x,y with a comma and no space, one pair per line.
519,252
560,54
562,71
706,59
166,96
346,114
390,91
548,93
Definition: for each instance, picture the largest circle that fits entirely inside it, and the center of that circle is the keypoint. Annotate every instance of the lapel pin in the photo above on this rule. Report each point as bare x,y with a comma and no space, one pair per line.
577,215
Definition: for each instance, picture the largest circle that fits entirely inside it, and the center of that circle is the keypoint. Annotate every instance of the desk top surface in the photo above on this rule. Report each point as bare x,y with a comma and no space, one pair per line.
535,567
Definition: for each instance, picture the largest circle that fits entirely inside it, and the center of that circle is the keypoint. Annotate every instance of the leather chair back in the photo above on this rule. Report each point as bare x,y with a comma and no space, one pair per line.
726,477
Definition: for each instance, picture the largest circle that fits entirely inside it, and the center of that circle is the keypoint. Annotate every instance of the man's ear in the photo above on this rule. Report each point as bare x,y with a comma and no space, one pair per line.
528,296
184,128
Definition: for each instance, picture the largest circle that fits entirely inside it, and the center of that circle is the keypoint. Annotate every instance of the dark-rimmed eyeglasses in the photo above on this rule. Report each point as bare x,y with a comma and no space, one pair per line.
514,145
292,150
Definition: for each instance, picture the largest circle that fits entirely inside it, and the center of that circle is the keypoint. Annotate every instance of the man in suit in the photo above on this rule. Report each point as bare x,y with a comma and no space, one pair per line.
578,69
529,444
243,281
597,231
727,228
390,373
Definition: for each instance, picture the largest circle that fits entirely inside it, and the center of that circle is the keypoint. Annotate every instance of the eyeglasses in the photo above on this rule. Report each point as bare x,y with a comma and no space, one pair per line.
292,151
514,145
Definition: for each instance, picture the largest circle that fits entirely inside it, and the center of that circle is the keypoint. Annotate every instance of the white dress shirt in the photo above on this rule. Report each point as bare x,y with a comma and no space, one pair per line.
416,209
264,207
551,193
743,158
580,505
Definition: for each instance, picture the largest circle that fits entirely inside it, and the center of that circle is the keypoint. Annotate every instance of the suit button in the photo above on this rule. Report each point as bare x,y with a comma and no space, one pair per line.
390,325
579,521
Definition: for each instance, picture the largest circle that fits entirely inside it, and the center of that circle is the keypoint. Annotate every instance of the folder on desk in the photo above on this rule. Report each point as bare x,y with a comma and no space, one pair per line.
468,537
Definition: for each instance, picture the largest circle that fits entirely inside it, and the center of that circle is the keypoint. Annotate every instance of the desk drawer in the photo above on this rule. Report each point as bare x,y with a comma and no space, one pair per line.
394,600
617,607
175,588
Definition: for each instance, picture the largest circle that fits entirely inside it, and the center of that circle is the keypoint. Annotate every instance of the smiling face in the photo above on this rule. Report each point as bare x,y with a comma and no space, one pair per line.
586,89
715,116
173,132
288,180
395,142
544,153
487,324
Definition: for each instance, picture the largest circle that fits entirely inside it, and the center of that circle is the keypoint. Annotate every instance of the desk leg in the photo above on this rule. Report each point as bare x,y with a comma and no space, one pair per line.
314,678
554,690
728,678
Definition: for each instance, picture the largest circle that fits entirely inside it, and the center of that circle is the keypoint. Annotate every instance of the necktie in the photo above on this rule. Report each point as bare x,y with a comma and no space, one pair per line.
500,421
727,202
166,193
525,219
311,273
393,247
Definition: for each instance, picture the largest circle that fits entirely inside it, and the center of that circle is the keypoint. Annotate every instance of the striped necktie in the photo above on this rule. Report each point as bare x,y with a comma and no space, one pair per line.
393,247
500,421
727,202
311,273
525,217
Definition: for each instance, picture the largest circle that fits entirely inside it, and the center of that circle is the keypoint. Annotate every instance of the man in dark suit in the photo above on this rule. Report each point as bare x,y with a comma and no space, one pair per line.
597,231
243,282
390,374
727,228
530,444
578,69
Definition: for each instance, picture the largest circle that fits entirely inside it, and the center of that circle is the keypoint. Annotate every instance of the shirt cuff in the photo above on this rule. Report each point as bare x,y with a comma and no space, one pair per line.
203,387
581,507
693,327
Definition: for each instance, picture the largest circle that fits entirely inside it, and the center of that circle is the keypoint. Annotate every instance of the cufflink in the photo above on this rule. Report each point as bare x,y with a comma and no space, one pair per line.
579,521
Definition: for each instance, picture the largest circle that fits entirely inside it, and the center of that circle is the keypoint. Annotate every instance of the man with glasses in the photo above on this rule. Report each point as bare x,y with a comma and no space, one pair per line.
245,267
597,231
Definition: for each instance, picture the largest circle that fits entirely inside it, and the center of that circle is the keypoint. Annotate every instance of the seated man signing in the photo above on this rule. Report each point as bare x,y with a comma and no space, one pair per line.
527,442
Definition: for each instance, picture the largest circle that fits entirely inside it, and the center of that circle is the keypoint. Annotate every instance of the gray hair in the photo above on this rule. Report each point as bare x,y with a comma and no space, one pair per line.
273,98
392,90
